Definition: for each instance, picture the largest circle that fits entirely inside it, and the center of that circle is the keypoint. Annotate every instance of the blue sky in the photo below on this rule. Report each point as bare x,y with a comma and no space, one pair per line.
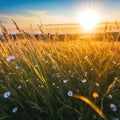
18,6
55,11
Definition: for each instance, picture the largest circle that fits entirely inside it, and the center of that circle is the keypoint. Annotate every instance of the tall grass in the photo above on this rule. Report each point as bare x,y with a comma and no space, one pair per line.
40,80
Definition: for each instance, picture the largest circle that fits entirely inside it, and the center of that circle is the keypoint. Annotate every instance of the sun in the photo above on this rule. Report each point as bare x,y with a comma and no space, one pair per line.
88,19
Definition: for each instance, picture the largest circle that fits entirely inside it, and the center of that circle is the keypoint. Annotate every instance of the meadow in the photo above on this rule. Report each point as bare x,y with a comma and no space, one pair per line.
54,79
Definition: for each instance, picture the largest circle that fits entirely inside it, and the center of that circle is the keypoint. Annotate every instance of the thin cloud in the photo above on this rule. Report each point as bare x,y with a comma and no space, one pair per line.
21,19
36,12
48,18
34,17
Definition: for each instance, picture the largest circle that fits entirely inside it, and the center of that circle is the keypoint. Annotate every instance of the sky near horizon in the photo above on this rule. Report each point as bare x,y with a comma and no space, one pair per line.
27,12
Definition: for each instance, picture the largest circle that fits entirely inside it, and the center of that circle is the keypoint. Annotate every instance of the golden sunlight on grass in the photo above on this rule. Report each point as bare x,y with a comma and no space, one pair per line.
59,76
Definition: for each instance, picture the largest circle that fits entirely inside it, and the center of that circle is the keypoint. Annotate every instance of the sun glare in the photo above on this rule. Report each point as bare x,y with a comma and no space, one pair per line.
88,19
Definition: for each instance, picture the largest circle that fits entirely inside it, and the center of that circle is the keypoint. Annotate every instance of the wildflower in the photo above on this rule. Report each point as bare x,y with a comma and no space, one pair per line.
116,78
115,118
70,93
10,58
72,75
27,80
17,67
58,75
69,71
110,96
53,84
42,86
37,79
36,65
97,84
20,86
14,110
86,57
95,95
113,107
79,118
9,73
84,81
91,69
7,94
65,81
114,62
46,61
94,116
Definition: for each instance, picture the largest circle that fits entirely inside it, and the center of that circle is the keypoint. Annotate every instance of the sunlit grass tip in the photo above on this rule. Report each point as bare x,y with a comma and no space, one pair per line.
91,104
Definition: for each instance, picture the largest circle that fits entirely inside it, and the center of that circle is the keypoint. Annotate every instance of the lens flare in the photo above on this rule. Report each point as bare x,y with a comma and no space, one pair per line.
88,19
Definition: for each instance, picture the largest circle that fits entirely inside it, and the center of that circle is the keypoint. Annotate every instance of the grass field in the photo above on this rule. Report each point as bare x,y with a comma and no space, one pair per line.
59,80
